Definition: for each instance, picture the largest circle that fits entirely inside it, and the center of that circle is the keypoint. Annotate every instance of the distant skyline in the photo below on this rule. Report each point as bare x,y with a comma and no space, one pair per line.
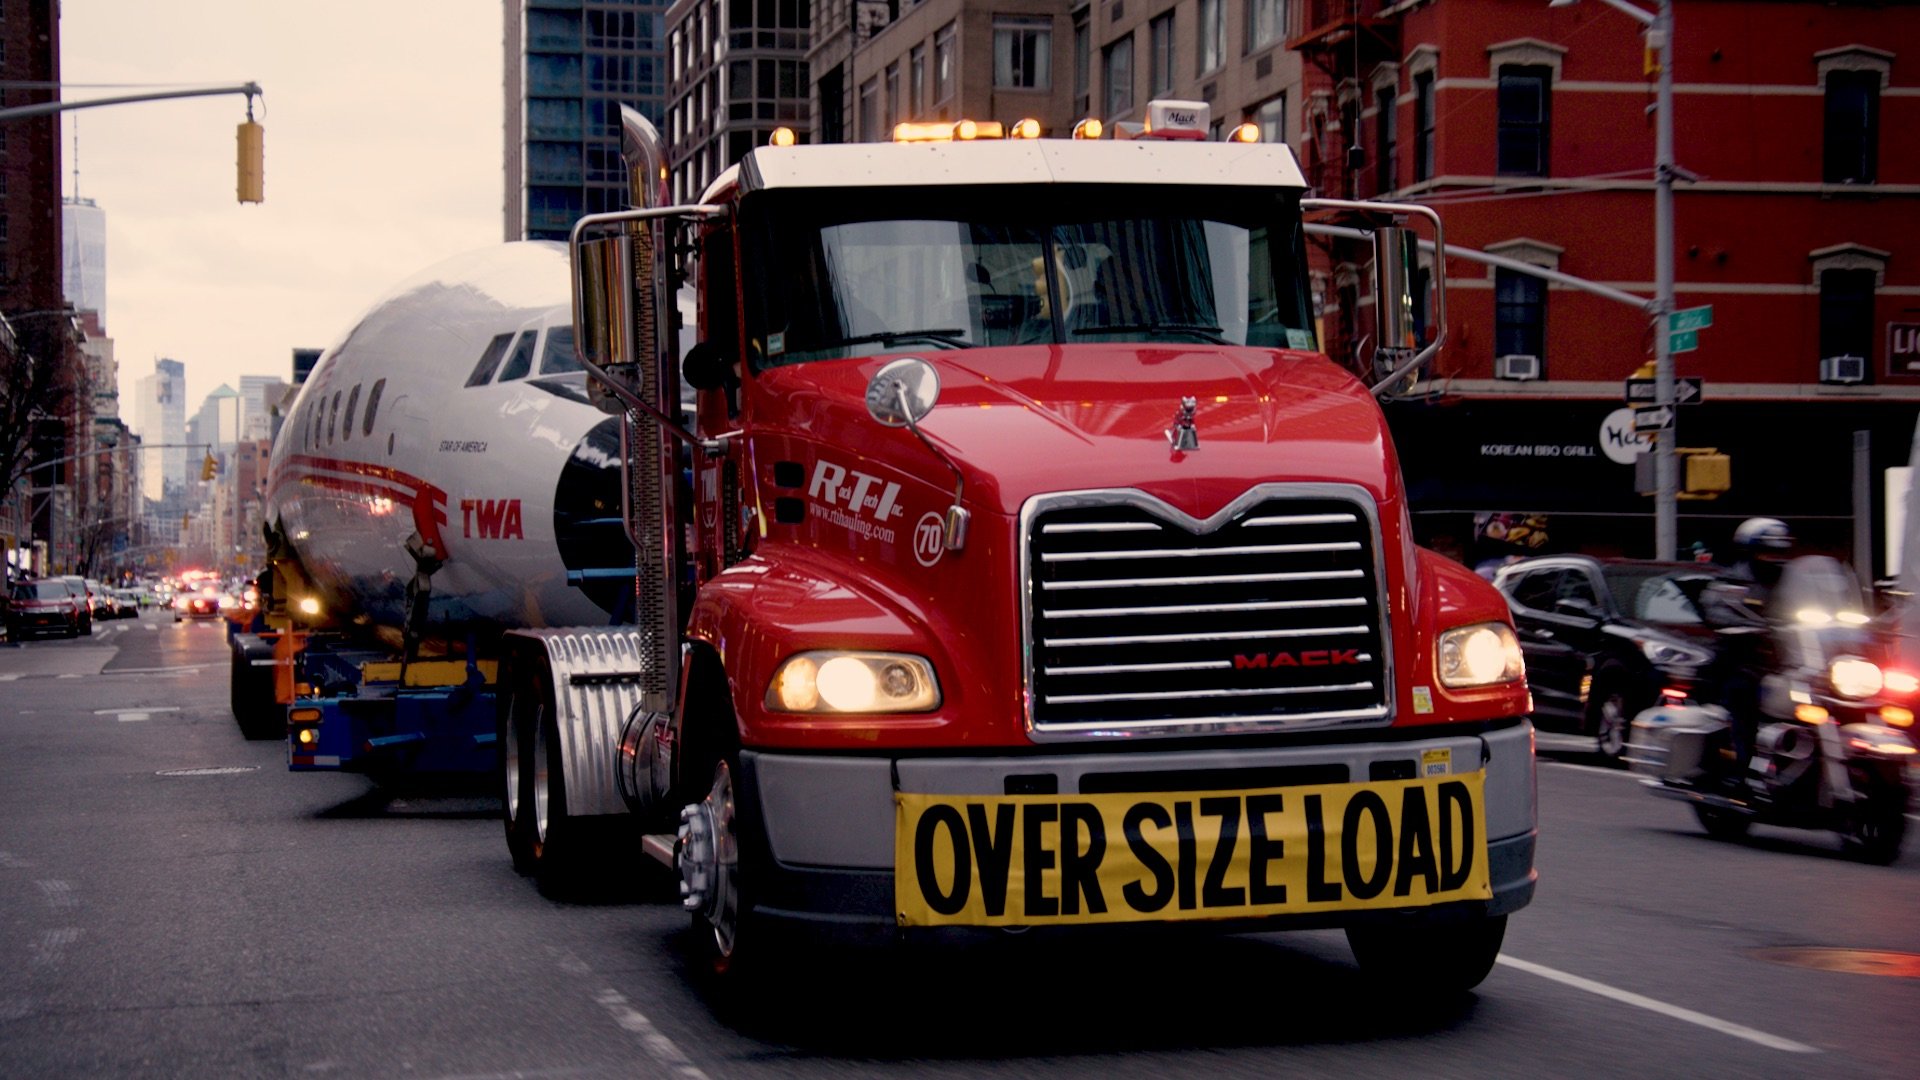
383,141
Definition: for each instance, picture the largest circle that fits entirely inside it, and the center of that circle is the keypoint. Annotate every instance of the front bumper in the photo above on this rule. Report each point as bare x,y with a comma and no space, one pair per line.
827,822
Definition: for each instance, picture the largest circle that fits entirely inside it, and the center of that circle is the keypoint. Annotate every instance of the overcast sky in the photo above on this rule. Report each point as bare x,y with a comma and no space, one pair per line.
383,147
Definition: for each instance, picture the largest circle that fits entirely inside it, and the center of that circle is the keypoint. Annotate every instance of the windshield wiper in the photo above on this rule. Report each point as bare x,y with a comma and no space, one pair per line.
1211,333
950,337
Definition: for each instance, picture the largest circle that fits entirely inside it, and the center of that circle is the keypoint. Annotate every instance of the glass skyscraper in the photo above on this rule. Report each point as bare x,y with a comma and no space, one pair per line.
570,65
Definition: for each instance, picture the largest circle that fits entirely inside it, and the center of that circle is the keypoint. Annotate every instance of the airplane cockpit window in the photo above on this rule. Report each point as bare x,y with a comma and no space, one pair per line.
521,361
558,356
353,404
490,359
373,406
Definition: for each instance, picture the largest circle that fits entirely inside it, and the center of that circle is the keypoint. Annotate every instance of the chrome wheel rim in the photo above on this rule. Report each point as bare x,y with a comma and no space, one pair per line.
708,854
542,797
1613,726
512,762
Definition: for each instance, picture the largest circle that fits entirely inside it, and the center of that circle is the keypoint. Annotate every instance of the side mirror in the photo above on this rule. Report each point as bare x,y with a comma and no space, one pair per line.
1396,256
903,393
603,301
707,368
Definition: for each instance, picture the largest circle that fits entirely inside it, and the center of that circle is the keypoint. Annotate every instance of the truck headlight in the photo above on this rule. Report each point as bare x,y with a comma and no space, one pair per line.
1481,655
1855,678
831,681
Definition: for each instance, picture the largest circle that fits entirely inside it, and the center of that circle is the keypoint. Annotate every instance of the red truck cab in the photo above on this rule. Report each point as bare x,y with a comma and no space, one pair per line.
1040,572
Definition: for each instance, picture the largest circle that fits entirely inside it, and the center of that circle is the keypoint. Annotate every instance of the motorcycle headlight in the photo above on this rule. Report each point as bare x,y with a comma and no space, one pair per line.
1484,654
831,681
1855,678
1669,653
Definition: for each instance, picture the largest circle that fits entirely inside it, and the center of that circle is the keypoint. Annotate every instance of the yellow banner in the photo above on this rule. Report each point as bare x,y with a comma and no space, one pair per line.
1025,860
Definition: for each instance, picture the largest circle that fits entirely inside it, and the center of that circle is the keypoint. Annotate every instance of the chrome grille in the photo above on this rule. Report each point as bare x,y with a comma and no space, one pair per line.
1142,620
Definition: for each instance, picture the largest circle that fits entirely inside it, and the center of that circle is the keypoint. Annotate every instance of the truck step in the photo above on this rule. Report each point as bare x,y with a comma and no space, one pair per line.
659,847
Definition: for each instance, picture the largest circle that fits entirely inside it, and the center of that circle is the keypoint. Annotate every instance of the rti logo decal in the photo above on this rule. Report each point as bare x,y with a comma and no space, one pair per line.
855,492
1309,658
491,519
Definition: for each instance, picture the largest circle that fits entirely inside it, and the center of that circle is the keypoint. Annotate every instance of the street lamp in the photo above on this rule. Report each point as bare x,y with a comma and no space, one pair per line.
1659,31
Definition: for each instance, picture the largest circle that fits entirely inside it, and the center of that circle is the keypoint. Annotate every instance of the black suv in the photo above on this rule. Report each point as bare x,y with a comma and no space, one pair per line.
1604,637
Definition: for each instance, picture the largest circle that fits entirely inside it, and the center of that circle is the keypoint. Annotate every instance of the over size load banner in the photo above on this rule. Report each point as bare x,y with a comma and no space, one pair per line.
1027,860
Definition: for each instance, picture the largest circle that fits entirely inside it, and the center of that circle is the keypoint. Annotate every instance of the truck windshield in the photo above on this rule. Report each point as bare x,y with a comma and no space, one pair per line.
963,268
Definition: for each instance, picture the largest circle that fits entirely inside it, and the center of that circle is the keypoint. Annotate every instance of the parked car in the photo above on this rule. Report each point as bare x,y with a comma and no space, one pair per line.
79,586
105,604
1604,638
48,605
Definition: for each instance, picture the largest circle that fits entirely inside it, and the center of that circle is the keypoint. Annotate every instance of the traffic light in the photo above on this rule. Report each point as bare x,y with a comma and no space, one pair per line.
209,468
1705,472
253,167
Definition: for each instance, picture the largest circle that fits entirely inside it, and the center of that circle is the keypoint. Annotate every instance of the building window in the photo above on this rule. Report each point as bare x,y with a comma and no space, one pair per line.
1082,63
1423,126
870,111
1846,311
1271,117
1116,73
1853,127
894,97
1160,56
917,81
1351,152
1263,23
1212,36
1524,119
943,65
1386,133
1519,314
1021,50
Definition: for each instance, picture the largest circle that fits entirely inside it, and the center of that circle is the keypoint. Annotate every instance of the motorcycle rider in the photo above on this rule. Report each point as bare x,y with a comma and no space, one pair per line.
1762,548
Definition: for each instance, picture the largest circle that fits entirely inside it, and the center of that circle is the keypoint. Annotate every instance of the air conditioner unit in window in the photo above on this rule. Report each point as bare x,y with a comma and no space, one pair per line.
1843,369
1519,366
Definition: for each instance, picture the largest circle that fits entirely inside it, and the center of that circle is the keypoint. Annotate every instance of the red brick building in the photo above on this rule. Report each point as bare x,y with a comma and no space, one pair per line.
1532,128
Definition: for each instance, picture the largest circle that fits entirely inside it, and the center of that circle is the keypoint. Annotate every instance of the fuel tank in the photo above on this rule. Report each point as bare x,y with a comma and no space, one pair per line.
454,414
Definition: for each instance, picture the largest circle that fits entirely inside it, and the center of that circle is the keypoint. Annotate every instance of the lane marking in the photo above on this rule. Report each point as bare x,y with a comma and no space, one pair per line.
10,861
58,894
658,1045
128,716
1628,997
9,678
69,676
46,950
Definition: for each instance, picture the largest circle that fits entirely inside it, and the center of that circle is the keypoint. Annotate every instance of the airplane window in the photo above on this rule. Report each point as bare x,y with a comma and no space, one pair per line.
353,402
489,360
521,361
373,406
333,415
558,356
318,411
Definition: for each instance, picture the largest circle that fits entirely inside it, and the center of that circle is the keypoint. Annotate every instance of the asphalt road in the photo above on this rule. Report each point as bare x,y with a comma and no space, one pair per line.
172,902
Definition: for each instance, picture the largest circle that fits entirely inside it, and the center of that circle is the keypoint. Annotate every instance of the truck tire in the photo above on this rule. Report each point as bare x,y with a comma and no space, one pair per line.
1428,960
719,845
251,691
541,835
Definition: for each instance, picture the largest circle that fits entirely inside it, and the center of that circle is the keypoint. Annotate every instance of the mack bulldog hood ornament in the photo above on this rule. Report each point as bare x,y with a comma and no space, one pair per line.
1182,436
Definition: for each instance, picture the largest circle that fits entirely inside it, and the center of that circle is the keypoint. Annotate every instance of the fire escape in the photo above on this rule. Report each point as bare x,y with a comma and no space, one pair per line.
1342,43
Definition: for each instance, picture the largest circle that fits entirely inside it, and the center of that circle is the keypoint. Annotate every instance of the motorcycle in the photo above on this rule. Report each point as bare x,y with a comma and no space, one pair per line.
1826,742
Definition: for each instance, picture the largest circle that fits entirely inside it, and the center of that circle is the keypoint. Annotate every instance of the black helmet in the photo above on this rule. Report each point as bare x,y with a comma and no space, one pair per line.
1763,537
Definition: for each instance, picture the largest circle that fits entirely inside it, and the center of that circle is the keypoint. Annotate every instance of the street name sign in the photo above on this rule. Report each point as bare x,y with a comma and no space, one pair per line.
1683,341
1653,418
1693,318
1686,391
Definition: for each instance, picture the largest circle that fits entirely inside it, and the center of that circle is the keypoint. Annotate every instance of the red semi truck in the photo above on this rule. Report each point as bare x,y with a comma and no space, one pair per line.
1017,560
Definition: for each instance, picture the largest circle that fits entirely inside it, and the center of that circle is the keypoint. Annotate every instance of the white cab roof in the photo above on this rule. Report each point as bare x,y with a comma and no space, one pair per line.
1022,161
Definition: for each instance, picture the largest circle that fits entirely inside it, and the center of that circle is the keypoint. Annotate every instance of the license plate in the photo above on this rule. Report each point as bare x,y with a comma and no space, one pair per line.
1027,860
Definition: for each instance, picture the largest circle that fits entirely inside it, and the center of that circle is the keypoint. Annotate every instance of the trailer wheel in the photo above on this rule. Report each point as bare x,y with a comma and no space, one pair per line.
1427,960
519,721
251,691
